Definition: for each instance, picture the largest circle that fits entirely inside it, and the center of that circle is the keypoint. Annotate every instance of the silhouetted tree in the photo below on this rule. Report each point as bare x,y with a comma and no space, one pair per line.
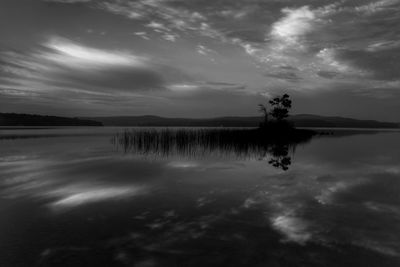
279,111
280,107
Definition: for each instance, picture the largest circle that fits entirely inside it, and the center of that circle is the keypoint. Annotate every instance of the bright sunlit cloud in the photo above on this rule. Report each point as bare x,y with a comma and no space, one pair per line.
294,24
69,53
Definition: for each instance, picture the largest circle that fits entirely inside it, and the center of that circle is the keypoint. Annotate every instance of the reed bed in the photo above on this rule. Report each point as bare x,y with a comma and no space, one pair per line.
201,142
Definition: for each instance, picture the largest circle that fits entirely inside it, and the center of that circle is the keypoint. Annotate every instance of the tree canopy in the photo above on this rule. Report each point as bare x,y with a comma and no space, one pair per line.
279,108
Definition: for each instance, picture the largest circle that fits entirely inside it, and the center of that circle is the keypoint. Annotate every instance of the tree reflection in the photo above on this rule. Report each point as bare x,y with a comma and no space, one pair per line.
280,156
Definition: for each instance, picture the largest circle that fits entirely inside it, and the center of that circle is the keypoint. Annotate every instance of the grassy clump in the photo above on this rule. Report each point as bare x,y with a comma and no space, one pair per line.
240,142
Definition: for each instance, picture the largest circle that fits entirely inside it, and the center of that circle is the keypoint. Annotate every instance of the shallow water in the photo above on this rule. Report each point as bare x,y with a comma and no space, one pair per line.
72,199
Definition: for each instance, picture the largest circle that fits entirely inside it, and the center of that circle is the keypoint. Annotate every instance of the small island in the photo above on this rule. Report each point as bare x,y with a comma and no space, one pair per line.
275,125
275,136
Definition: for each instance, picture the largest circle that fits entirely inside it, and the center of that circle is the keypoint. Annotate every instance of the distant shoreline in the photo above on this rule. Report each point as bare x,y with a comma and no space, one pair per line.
307,121
33,120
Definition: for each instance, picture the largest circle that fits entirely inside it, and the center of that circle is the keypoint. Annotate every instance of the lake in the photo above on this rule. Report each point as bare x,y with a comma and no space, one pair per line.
74,197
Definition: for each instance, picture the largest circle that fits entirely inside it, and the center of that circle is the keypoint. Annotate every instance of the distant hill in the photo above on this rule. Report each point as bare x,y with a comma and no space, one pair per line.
161,121
301,120
13,119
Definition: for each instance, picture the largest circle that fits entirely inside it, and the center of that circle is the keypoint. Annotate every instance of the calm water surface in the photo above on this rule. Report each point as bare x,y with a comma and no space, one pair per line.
72,198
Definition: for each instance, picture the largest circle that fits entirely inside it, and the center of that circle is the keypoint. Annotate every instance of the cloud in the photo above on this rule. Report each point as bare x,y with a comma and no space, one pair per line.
289,40
285,75
62,74
163,17
294,229
157,26
381,65
383,45
61,62
207,52
207,86
235,14
329,58
208,99
170,37
203,50
330,46
295,23
119,9
75,196
327,74
143,35
183,87
68,1
326,42
376,6
299,36
66,52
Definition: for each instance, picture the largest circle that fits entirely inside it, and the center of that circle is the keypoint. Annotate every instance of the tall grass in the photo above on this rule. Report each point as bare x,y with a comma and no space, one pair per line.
201,142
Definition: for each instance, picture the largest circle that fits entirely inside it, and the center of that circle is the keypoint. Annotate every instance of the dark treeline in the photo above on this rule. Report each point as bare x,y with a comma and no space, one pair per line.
13,119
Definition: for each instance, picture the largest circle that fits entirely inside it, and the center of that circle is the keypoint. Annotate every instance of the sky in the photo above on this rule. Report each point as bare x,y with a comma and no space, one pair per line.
200,58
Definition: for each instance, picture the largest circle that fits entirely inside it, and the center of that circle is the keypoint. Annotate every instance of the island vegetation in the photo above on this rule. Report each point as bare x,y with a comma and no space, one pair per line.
275,124
274,137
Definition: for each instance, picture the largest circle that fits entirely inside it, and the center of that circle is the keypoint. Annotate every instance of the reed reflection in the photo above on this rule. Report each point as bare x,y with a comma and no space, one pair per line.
197,143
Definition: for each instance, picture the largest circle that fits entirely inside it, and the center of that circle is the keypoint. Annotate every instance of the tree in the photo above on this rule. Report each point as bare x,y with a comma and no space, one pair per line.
280,107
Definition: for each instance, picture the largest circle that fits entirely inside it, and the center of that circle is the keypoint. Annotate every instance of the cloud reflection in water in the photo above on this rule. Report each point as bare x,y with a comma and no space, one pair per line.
79,195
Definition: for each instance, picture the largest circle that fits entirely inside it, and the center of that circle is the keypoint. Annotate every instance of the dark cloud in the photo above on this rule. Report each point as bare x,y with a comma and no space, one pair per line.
284,75
288,68
115,79
383,64
327,74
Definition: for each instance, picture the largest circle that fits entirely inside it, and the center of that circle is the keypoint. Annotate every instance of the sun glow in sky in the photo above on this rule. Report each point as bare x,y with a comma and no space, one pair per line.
197,58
